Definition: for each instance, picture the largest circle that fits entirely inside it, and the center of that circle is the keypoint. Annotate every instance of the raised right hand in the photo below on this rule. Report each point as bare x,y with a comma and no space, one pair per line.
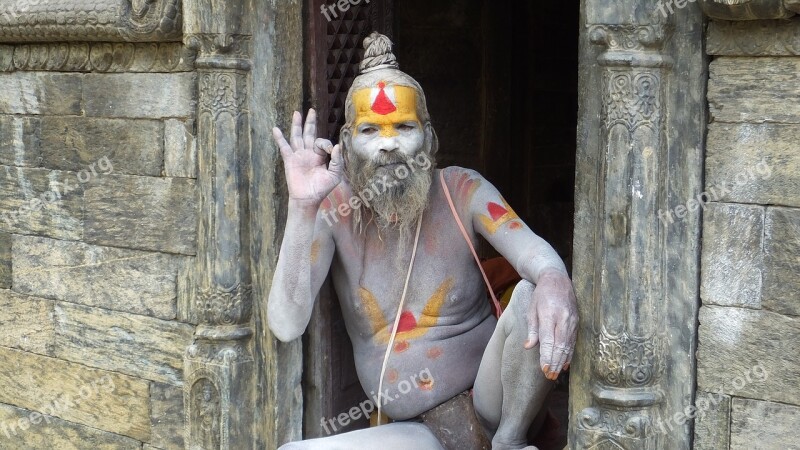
308,177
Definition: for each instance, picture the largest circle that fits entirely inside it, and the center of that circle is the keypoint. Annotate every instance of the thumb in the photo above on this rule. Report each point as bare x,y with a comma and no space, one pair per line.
533,331
336,166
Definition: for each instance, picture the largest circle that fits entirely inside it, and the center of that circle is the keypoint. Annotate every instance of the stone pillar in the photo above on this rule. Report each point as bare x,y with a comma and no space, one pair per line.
219,367
639,155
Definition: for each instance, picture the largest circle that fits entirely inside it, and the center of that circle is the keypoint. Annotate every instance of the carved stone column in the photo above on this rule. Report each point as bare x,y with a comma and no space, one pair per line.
218,391
639,155
628,309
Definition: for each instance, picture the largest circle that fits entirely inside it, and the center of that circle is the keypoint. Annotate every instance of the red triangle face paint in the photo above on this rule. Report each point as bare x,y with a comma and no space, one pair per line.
382,104
407,322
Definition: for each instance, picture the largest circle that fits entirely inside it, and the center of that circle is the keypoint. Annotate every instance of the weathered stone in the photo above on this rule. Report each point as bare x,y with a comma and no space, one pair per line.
100,399
140,212
147,213
19,141
712,424
166,416
139,95
180,149
37,201
759,425
186,285
754,90
754,38
40,93
128,343
27,323
43,431
748,353
756,163
781,292
5,260
77,143
111,278
732,255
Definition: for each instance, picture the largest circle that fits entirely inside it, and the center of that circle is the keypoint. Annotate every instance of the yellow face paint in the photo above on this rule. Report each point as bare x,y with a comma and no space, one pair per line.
386,107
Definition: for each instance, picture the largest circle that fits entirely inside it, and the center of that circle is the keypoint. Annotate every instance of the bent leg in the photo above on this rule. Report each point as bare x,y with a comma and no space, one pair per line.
394,436
510,388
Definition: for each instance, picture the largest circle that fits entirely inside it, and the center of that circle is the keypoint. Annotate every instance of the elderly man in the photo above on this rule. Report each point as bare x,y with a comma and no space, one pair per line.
393,232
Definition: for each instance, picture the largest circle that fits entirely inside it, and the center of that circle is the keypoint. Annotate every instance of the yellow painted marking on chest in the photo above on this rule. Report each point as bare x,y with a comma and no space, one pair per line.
427,319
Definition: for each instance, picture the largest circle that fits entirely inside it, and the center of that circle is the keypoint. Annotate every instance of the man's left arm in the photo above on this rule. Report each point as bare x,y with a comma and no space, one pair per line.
552,318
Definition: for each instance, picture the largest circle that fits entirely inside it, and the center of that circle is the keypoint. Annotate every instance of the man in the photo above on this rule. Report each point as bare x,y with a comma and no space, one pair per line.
378,217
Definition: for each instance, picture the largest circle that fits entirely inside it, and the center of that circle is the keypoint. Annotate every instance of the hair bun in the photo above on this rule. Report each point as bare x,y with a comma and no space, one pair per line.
378,54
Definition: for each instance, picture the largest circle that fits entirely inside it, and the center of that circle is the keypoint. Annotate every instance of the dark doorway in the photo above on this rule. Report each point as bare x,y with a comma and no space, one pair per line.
501,80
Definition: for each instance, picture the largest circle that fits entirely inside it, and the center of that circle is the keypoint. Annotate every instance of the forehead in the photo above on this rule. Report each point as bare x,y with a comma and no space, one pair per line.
385,102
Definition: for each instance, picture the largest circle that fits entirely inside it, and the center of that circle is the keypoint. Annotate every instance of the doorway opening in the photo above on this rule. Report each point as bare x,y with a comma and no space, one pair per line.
501,81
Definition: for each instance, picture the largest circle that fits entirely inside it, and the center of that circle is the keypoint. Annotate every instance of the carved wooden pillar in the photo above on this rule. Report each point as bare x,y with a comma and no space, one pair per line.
218,391
639,155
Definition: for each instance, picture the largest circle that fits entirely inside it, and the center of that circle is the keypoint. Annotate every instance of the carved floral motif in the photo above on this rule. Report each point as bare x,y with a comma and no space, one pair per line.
631,98
90,20
754,38
97,57
224,306
624,360
222,92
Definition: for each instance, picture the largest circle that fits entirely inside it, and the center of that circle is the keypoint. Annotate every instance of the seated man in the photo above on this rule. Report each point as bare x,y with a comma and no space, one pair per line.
411,292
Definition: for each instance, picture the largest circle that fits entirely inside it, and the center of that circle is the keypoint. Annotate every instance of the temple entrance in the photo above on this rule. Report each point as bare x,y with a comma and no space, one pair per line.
501,80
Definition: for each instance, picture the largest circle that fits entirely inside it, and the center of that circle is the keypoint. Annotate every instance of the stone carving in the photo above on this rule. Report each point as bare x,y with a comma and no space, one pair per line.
627,37
628,353
224,306
205,418
98,57
223,293
90,20
223,92
628,361
754,38
631,99
750,9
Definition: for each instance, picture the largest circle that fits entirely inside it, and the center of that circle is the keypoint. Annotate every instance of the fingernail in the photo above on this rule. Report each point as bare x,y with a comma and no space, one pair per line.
546,368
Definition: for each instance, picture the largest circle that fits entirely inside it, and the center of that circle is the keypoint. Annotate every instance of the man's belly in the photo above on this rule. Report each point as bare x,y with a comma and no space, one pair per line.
423,372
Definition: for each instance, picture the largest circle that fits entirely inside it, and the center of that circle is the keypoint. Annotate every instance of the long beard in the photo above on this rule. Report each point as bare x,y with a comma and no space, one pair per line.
396,204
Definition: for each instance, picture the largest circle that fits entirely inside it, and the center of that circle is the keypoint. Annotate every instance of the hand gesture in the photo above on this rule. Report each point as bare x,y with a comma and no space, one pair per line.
553,323
308,177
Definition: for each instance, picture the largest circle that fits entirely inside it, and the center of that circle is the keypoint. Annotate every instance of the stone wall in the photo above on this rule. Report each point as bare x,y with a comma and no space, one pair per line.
749,333
98,230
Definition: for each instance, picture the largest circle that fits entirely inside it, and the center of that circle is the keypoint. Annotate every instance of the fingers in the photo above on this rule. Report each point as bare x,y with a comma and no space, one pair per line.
323,147
310,130
283,146
337,165
533,331
297,131
546,346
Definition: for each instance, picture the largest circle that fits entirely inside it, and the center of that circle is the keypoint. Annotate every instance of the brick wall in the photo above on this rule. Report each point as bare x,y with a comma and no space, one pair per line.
749,335
98,223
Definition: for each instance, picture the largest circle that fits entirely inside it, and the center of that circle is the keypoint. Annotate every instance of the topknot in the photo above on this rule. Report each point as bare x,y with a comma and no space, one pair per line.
378,54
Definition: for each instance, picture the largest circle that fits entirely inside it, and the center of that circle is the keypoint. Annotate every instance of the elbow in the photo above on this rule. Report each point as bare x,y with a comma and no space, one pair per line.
282,327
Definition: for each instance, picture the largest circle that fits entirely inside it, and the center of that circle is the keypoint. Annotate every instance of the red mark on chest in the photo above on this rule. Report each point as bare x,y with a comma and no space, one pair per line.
400,347
392,376
407,322
434,352
515,225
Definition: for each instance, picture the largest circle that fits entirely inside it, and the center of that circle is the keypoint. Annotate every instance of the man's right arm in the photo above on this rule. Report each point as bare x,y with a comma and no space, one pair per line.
305,258
307,248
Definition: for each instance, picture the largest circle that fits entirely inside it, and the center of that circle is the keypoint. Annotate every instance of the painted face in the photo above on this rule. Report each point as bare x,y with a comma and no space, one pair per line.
387,122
